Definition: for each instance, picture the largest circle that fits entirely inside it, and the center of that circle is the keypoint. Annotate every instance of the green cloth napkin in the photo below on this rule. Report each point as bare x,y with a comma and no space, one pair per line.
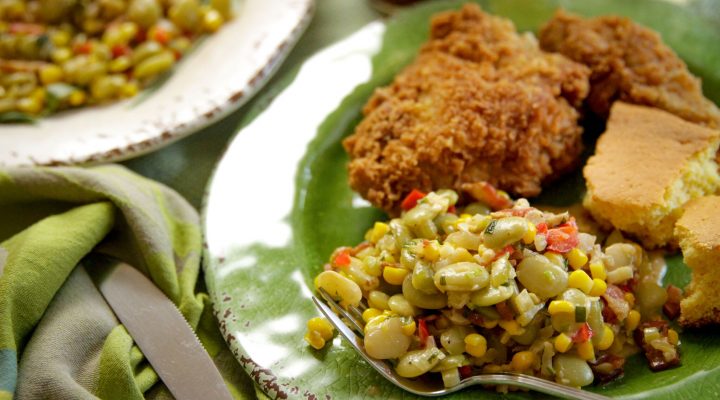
58,337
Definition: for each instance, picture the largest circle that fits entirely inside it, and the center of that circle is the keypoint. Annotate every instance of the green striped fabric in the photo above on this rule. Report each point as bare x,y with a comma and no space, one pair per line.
58,337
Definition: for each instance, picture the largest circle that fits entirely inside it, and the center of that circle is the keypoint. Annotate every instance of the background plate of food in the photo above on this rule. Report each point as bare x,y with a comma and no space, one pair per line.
536,116
127,77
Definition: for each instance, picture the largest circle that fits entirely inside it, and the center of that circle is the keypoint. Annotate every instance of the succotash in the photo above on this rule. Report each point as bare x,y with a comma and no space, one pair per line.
460,292
59,54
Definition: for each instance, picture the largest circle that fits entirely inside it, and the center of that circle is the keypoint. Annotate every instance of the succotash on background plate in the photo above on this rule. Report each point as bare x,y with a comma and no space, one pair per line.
218,76
279,203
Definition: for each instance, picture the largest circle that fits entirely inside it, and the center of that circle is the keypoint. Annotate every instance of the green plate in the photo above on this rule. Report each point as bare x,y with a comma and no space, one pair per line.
279,203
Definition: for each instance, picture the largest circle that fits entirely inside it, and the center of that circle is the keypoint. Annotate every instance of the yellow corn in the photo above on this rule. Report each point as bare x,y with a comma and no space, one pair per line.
555,258
586,351
523,361
60,38
29,105
61,55
315,340
607,339
597,270
489,324
563,343
370,313
598,287
576,258
212,20
394,276
630,298
673,337
77,98
50,73
632,321
129,89
431,251
475,344
512,327
408,329
560,306
580,280
529,236
378,231
322,326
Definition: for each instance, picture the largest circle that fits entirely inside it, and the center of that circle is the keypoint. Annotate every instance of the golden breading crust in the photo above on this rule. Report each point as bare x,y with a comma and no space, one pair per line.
630,63
480,103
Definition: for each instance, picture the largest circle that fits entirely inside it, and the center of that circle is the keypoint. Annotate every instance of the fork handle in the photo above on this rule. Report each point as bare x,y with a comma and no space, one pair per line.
532,383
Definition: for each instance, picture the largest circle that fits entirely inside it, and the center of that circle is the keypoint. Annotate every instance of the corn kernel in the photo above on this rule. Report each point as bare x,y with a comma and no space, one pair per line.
322,326
315,340
431,251
598,288
77,98
489,324
607,339
586,351
673,337
475,344
580,280
576,258
630,298
408,329
60,38
560,306
555,258
50,73
29,105
529,236
370,313
512,327
212,20
61,55
378,231
394,276
522,361
632,321
563,343
597,270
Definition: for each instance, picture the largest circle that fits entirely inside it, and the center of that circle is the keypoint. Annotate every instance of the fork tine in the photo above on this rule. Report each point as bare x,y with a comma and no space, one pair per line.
357,327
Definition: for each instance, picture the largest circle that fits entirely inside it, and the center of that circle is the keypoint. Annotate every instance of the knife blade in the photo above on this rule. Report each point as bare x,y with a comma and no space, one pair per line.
159,330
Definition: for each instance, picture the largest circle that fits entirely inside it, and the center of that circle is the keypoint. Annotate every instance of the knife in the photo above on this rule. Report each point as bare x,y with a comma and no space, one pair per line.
158,328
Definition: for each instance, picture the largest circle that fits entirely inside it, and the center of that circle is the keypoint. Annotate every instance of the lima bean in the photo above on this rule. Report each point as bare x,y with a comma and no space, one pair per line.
572,370
340,287
417,362
462,276
420,299
384,338
542,277
504,231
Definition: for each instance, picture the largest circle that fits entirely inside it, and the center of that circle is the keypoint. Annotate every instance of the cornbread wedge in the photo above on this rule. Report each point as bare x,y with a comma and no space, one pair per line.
646,166
699,236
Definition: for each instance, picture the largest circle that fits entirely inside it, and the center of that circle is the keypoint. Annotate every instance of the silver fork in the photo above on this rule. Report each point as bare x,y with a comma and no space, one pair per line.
354,335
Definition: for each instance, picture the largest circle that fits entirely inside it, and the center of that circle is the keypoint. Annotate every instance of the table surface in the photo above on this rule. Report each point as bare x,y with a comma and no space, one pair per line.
187,164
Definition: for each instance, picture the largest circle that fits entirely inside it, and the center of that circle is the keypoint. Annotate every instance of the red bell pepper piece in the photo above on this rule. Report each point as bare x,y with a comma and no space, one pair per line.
487,193
563,238
423,332
465,371
342,259
583,334
411,199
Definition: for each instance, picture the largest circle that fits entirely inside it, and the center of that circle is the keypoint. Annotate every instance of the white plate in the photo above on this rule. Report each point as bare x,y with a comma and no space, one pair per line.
219,76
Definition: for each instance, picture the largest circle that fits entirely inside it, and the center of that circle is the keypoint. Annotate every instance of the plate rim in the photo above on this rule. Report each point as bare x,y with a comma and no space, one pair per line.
203,118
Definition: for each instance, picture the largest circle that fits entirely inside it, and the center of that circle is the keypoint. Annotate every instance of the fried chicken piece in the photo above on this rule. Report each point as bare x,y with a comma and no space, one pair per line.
480,103
630,63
